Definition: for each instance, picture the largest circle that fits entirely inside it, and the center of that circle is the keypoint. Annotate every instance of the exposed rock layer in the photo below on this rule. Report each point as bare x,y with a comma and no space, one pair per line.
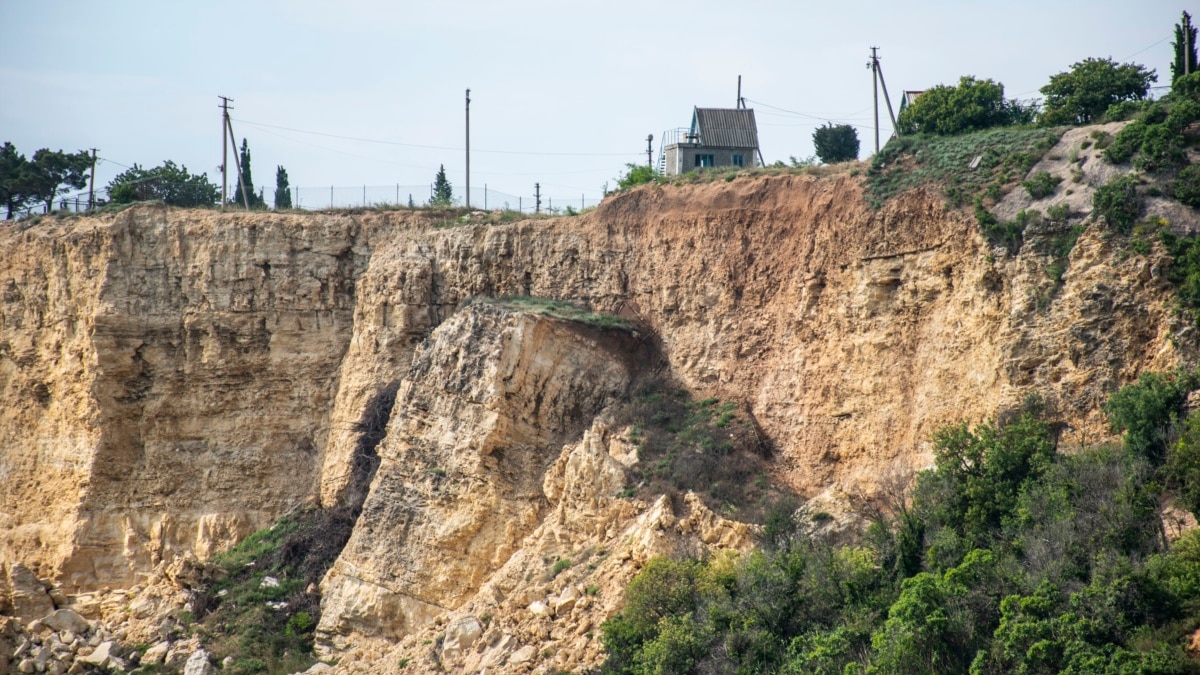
172,380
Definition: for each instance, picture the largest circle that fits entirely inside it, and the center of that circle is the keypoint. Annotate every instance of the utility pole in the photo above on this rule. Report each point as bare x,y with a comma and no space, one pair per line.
92,183
1187,43
741,102
238,163
468,198
875,82
224,148
649,149
537,197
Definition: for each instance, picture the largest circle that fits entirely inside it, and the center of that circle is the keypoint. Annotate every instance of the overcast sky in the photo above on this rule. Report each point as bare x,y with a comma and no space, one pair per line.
563,93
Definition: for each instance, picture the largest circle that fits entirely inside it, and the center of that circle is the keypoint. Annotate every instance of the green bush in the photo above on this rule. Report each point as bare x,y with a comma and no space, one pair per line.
835,143
1074,576
1118,202
971,105
1042,184
1092,86
636,174
1146,411
1186,188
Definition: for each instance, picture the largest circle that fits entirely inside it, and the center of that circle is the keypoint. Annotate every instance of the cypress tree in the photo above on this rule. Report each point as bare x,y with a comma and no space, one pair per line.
247,180
443,194
283,193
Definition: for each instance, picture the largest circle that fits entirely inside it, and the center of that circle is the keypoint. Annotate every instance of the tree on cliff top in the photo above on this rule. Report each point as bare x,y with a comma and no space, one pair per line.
443,194
971,105
170,184
1083,94
283,194
836,143
247,180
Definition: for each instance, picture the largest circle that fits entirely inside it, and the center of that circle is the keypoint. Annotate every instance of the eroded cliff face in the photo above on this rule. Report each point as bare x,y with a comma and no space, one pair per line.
173,380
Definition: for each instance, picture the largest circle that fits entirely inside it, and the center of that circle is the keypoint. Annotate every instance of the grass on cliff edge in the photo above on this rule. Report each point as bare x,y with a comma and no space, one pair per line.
710,447
1006,155
258,602
559,309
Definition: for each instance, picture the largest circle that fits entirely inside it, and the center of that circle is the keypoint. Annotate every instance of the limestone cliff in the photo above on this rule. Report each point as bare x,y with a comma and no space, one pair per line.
172,380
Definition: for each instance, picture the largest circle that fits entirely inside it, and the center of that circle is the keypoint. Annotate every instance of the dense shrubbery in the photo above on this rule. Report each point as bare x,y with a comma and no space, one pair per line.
971,105
1009,557
1118,201
170,184
636,174
1083,94
835,143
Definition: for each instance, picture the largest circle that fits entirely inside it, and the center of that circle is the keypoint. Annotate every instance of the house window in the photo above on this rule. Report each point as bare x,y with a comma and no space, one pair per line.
738,161
705,160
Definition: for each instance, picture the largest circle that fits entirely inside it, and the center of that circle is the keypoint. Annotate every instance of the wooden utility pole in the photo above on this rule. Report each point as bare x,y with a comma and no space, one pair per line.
537,197
224,148
237,163
92,183
468,198
875,82
649,150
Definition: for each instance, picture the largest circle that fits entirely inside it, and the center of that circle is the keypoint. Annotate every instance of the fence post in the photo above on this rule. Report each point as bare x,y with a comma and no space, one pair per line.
485,196
331,196
364,196
297,204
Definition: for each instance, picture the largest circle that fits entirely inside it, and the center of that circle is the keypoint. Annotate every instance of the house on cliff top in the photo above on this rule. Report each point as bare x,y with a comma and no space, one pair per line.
717,137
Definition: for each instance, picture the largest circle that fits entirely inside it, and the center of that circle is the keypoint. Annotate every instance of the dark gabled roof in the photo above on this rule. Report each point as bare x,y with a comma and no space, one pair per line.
725,127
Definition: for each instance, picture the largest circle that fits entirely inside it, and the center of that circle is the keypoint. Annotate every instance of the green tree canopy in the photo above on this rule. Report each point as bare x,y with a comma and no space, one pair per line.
283,194
443,194
1083,94
1185,49
168,183
836,143
970,106
42,178
13,170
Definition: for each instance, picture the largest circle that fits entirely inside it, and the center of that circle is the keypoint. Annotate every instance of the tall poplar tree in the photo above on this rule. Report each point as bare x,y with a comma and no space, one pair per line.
247,180
283,193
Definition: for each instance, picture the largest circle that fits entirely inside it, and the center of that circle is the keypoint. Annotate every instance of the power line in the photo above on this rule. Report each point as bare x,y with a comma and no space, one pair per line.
439,147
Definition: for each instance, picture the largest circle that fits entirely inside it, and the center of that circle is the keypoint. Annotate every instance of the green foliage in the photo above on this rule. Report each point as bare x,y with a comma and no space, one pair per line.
1042,184
443,193
1186,187
1186,87
636,174
972,105
170,184
1064,571
1183,466
1083,94
1118,202
559,565
835,143
283,193
979,475
1184,270
254,603
910,162
246,181
1184,48
1009,234
1146,411
13,167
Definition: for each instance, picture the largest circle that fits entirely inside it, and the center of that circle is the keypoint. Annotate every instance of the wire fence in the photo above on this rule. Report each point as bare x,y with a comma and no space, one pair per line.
421,196
365,197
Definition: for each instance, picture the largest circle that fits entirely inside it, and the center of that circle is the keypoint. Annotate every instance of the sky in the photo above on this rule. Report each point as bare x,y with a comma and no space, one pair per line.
563,94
